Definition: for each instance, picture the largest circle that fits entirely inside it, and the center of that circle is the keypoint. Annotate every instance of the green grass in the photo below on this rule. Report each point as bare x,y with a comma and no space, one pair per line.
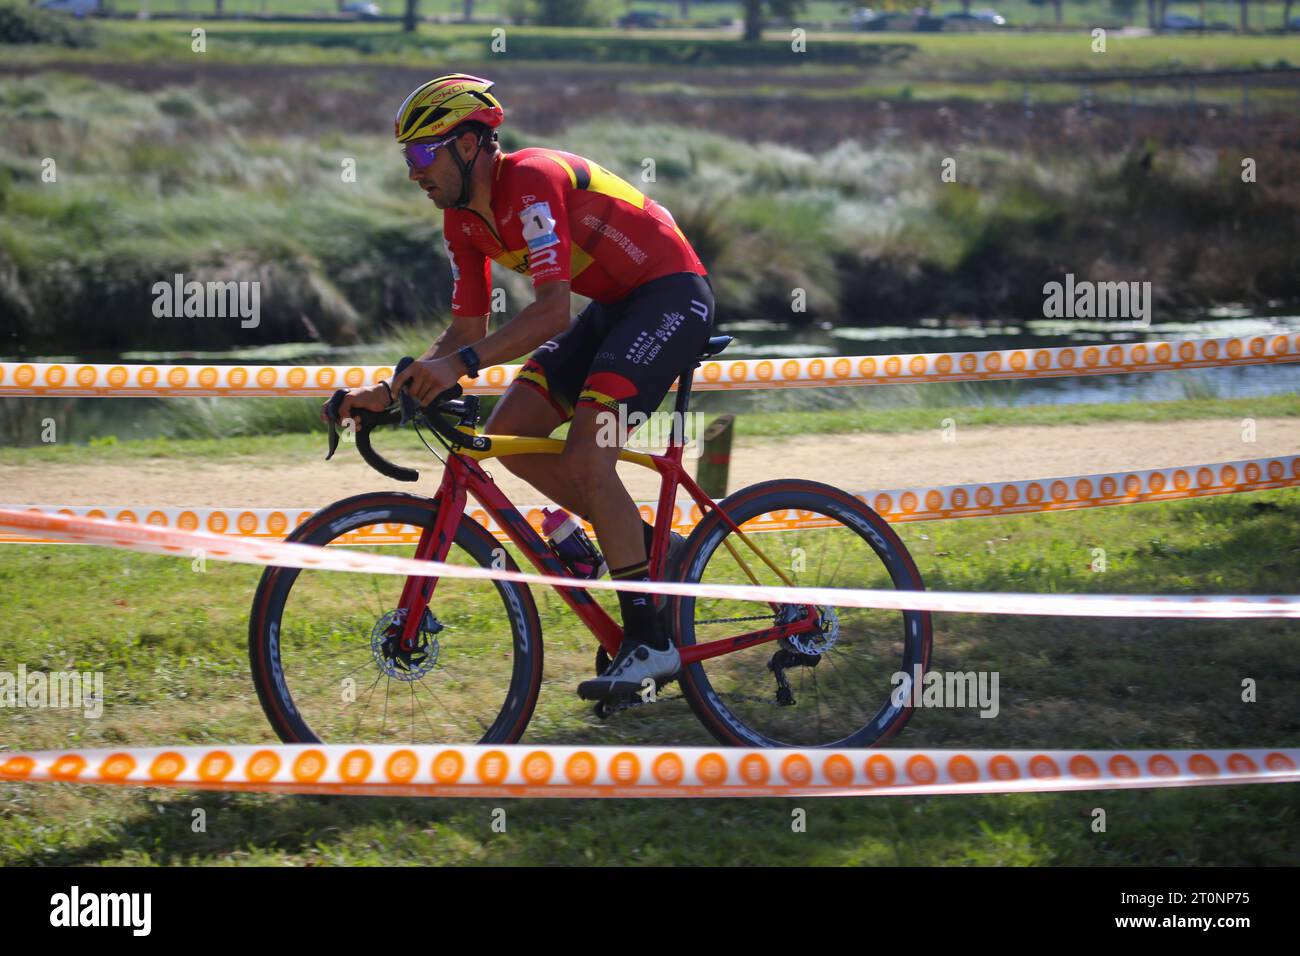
171,645
846,421
936,56
1018,12
190,179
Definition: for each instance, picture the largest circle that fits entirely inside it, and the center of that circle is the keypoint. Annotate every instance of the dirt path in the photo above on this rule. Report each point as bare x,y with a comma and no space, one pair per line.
854,462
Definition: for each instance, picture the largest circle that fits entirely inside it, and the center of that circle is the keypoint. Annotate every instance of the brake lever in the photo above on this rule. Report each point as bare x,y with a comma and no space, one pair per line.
335,402
410,408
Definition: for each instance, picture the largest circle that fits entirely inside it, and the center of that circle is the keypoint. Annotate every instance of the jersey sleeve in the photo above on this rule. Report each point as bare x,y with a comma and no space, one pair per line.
471,275
540,186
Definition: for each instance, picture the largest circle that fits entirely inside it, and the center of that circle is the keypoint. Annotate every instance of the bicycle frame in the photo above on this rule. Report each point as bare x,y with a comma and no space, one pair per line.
464,476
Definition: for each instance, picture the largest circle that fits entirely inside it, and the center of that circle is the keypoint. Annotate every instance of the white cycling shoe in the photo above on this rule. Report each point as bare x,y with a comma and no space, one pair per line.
628,673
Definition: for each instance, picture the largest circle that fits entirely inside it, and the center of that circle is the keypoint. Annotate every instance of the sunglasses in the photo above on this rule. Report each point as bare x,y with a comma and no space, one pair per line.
420,155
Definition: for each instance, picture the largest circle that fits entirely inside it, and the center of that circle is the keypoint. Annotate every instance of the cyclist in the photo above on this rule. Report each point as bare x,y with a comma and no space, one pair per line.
570,225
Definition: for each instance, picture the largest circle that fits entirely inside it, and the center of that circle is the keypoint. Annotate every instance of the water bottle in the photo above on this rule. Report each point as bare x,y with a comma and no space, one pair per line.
571,545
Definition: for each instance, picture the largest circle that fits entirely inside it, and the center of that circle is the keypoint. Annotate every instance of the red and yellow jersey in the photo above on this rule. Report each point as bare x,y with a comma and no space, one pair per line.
559,216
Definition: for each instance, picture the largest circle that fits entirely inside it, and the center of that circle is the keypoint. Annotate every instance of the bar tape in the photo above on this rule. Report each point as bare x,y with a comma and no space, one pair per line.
137,381
897,505
153,540
574,771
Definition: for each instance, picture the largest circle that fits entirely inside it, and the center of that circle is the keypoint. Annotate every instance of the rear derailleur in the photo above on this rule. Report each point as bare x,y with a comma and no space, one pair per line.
788,656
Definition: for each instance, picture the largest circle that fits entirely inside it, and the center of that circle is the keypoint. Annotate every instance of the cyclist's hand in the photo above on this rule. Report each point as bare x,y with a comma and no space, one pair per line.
370,398
429,379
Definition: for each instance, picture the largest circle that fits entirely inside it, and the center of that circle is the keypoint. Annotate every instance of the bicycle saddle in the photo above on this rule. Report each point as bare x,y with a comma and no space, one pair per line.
716,344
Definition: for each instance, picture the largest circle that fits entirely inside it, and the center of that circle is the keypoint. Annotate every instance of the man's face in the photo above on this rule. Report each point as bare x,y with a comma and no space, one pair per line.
440,180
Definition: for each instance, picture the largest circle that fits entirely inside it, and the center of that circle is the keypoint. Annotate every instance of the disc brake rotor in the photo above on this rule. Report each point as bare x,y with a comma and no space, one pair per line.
813,643
397,662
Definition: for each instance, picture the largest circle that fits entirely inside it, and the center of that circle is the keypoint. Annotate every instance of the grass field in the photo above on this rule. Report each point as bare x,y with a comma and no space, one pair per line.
936,56
171,645
1017,12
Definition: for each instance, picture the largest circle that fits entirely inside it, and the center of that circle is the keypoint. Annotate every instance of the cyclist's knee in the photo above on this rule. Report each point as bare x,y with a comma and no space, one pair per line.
522,411
589,460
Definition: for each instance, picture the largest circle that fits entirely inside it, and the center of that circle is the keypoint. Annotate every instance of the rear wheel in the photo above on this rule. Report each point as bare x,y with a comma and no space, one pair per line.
833,686
328,669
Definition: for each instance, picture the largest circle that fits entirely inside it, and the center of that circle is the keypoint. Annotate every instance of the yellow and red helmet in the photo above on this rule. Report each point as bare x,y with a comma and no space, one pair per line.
439,106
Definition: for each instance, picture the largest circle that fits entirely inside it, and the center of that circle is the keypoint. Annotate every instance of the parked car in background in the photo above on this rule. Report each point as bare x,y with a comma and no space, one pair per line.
861,16
642,19
363,11
78,8
889,21
1181,21
978,20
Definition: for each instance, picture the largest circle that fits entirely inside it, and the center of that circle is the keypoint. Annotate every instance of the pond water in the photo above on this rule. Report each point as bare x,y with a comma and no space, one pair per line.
82,419
771,339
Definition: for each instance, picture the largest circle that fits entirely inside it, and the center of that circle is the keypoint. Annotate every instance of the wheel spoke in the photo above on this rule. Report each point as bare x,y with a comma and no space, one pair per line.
857,648
324,639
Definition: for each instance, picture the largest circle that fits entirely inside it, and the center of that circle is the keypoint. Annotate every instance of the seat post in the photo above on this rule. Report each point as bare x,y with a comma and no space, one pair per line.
715,345
683,401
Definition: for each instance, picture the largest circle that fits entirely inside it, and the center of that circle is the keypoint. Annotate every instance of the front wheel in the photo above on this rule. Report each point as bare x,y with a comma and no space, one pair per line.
325,660
837,683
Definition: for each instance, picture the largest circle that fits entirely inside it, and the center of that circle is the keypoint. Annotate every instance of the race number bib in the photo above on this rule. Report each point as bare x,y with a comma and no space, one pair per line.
539,226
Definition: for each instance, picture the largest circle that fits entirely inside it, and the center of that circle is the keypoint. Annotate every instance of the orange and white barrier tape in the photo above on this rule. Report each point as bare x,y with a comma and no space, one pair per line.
984,499
142,381
153,540
897,505
549,771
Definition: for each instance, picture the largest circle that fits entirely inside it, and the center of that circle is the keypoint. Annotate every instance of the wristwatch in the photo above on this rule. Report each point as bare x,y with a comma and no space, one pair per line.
470,358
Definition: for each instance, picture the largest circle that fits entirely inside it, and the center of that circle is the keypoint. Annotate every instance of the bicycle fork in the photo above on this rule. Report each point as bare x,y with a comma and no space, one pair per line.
435,544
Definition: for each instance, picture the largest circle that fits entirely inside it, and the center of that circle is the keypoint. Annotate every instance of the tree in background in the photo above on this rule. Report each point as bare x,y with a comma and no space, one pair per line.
1056,6
782,9
1125,8
568,13
1245,20
412,15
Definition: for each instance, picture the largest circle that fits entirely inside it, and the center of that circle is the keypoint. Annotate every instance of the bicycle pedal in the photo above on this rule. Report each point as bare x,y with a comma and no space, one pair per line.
607,708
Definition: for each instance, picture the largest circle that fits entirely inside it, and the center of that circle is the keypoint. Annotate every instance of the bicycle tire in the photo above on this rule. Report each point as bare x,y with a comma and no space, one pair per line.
275,589
789,496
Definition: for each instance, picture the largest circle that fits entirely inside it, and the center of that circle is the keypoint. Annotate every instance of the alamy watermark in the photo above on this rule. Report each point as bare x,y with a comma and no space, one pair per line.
55,690
652,431
1083,299
208,300
133,911
959,689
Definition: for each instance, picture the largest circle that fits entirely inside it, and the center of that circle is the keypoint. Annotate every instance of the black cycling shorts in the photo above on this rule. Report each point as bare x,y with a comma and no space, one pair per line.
628,352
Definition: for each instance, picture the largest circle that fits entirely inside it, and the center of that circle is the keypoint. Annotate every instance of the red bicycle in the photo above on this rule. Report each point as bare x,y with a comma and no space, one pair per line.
375,658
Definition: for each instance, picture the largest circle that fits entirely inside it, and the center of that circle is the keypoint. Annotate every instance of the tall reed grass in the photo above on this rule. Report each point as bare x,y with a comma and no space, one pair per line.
183,180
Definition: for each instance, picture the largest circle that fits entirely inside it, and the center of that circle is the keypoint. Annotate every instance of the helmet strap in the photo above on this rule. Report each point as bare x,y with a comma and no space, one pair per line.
465,173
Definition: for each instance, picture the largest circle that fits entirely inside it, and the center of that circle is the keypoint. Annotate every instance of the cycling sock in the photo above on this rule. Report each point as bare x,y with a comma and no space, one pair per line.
640,622
647,532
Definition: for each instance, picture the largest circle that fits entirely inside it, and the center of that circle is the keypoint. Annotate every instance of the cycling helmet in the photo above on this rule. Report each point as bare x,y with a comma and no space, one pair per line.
442,106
